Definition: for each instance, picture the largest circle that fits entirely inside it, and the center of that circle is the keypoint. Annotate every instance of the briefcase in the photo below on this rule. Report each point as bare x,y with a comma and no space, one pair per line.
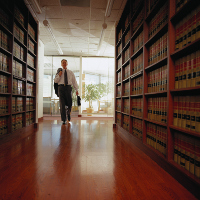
78,100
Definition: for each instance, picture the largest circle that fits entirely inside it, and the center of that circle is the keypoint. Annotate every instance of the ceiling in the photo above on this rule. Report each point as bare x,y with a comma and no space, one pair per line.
77,29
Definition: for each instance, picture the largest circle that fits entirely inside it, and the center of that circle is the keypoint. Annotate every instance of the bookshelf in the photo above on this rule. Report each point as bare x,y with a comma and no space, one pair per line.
18,65
157,62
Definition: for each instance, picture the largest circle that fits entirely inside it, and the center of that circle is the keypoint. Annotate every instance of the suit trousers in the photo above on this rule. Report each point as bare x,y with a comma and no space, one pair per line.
65,97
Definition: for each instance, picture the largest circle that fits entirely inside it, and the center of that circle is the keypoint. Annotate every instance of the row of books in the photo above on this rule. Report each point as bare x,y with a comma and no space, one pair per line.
17,122
138,21
127,37
135,5
157,109
150,5
126,89
158,50
138,63
137,86
127,54
119,78
18,87
187,71
119,63
29,118
3,126
125,124
119,35
4,18
158,20
127,20
119,48
31,31
187,112
118,104
19,16
31,46
17,69
188,29
29,89
3,105
119,118
4,43
18,33
3,84
138,42
137,107
126,106
3,62
30,60
29,104
180,4
137,128
157,137
17,104
127,71
187,152
30,75
119,91
157,80
18,51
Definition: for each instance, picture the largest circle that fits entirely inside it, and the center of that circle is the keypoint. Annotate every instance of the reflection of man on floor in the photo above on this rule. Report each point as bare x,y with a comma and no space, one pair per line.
65,79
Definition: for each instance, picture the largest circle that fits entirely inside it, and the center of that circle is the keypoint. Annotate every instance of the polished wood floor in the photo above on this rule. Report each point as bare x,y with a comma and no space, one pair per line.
78,161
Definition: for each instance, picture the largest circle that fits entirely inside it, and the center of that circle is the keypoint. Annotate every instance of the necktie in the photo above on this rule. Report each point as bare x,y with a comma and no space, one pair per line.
65,78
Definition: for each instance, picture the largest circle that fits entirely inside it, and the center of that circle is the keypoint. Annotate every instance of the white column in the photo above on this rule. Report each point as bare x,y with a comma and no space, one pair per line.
80,82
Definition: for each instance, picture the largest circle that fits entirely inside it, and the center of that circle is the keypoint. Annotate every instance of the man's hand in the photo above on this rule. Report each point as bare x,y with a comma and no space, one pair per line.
77,93
60,73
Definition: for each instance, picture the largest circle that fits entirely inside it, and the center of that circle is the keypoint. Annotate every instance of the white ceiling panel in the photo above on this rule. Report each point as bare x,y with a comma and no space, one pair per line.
77,29
72,12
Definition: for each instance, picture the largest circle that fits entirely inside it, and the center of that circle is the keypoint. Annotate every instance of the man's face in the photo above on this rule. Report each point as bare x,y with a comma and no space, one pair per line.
64,64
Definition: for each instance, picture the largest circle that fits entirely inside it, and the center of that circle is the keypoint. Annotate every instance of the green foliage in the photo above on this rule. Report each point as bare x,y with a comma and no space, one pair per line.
94,92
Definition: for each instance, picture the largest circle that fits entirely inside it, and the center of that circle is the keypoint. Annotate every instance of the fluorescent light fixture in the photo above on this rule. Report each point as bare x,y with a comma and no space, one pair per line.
109,8
31,9
48,27
104,26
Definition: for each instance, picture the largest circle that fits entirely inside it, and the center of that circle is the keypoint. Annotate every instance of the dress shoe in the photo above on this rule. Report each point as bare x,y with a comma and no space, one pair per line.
69,117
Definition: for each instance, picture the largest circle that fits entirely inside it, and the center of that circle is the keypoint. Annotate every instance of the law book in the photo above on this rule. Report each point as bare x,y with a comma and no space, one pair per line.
180,82
189,71
179,150
198,22
193,28
184,31
180,109
197,158
182,147
184,72
176,147
175,115
188,112
192,113
177,74
183,120
187,154
197,106
189,29
192,153
193,69
198,68
181,35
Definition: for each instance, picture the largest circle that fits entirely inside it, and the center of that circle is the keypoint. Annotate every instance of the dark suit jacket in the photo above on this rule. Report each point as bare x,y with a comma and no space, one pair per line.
56,84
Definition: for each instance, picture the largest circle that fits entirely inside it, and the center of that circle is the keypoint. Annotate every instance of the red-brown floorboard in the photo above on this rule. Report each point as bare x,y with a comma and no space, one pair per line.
85,159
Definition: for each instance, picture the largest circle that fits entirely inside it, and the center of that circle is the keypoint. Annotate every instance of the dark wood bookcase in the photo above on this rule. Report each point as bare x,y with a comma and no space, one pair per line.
151,38
18,65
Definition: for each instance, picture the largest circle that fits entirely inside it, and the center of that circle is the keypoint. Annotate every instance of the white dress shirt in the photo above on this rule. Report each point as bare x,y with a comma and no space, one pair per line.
70,77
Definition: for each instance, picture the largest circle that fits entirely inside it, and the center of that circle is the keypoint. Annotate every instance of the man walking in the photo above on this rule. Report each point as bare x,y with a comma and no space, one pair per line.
65,79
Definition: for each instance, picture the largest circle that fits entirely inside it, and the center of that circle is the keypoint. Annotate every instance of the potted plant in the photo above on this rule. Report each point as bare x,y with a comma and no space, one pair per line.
93,92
